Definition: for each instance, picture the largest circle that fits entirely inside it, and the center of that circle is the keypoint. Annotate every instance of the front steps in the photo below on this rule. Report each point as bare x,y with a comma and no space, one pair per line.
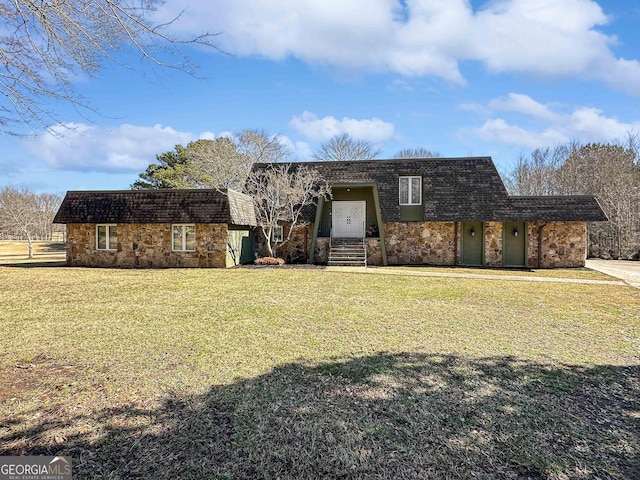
347,252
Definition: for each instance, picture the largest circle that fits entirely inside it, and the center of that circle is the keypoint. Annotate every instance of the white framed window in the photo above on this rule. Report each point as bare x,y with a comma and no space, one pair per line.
410,190
106,237
183,238
277,233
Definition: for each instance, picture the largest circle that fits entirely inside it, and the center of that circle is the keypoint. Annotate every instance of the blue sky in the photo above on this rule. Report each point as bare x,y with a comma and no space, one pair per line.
461,78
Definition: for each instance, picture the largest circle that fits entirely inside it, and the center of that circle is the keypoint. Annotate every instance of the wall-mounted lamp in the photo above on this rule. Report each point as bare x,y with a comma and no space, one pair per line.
472,232
348,189
515,232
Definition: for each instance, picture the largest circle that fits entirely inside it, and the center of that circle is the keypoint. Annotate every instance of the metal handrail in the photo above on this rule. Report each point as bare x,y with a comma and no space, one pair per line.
364,242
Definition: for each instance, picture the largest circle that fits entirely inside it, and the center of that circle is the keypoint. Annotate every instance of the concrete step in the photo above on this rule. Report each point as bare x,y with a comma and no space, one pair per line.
347,252
360,258
333,263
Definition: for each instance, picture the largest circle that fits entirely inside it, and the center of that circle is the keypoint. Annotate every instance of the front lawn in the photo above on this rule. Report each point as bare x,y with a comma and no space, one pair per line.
307,373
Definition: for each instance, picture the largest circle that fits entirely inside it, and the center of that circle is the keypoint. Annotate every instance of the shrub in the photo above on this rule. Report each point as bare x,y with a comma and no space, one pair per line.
269,261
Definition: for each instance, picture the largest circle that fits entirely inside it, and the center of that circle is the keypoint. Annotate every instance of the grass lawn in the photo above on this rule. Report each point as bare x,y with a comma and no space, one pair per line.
306,373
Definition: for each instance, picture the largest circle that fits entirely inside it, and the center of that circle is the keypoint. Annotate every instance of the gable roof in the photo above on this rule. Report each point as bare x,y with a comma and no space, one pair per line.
453,189
156,206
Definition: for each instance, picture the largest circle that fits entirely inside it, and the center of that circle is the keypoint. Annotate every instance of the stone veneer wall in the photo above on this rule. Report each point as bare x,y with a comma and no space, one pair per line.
321,255
564,244
493,244
415,243
146,245
294,249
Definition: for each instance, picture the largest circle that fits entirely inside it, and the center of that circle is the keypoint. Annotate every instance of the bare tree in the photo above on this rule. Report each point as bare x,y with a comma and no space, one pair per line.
46,45
217,164
536,173
280,193
221,163
418,152
19,214
343,147
612,174
47,205
258,146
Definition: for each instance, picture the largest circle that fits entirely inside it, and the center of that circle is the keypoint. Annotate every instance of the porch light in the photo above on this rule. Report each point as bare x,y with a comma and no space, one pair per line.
515,232
472,232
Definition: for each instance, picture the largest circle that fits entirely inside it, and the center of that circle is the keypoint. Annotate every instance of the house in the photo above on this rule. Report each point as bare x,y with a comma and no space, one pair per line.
438,211
158,228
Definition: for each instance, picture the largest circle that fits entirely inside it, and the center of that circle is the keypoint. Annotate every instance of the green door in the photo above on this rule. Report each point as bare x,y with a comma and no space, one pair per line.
515,244
472,243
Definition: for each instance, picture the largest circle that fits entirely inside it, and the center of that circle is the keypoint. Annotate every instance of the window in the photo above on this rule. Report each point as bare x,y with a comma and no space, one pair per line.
277,234
410,190
183,238
106,237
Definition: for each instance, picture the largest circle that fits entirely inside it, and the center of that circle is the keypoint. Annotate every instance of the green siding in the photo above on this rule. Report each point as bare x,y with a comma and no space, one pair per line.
240,246
411,213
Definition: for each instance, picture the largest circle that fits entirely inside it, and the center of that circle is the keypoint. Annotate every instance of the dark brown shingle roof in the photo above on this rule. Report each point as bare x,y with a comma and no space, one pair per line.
561,208
454,189
156,206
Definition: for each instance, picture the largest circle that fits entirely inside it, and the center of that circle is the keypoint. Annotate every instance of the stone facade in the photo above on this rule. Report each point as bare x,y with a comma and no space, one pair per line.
374,253
420,243
321,255
145,246
564,244
493,244
294,250
434,243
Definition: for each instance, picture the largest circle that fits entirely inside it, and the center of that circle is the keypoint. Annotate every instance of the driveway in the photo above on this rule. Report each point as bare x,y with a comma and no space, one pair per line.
624,270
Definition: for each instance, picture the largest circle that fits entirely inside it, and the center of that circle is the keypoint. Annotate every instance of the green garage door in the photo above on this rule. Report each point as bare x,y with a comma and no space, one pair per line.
472,243
515,244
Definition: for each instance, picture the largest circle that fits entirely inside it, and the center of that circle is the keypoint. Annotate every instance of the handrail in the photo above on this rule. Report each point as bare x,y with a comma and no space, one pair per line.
364,242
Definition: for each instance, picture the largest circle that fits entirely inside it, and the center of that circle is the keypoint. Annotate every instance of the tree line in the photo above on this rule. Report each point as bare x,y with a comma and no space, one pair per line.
610,171
226,161
28,216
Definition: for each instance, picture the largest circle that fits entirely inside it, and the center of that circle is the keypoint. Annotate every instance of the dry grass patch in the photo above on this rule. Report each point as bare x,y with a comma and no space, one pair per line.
11,251
577,273
295,373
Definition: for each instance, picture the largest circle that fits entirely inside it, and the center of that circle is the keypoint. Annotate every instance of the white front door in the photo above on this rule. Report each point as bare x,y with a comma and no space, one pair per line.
348,219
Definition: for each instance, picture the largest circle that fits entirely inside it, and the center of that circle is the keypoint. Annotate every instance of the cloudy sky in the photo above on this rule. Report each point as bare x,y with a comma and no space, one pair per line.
458,77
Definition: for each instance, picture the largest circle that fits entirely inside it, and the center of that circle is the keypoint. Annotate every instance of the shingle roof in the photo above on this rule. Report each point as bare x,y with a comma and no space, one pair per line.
454,189
156,206
561,207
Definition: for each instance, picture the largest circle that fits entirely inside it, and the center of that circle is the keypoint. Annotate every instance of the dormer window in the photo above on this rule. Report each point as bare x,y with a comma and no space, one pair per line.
410,190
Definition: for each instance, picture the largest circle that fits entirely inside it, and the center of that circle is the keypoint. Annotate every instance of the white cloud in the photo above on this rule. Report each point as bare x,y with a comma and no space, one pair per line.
558,38
81,147
300,150
373,130
500,131
518,102
585,124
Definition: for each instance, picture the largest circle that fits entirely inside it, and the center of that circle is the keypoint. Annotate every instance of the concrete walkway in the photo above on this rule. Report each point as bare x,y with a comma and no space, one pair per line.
624,270
449,274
